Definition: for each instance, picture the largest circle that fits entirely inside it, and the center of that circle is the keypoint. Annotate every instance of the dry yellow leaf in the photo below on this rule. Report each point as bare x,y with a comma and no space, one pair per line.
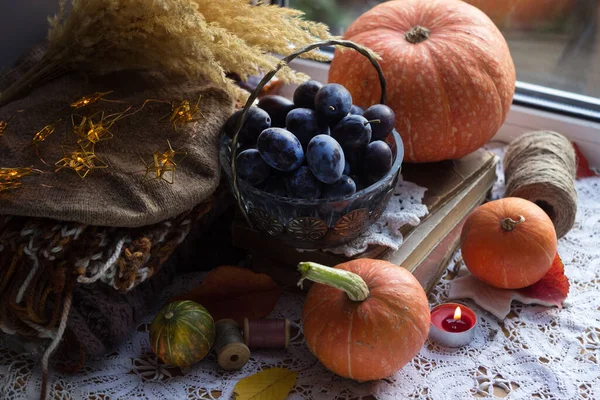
269,384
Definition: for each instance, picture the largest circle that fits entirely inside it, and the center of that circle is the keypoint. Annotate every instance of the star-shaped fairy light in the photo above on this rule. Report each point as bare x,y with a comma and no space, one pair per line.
89,99
164,164
43,133
81,161
10,177
184,112
90,132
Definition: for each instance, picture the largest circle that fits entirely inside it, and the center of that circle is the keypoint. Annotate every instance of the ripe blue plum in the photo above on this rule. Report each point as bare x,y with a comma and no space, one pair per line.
325,158
342,188
277,107
356,110
332,103
386,117
251,167
304,95
257,120
378,161
302,184
352,131
303,123
280,149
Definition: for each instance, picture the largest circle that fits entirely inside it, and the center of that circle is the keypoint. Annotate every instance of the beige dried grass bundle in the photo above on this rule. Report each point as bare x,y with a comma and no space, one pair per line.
188,38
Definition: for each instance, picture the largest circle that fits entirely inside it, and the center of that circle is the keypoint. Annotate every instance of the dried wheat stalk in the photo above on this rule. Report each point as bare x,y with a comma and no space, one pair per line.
186,38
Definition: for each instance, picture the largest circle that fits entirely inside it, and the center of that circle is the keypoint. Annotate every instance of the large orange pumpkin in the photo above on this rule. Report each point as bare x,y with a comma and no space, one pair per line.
450,75
509,243
371,321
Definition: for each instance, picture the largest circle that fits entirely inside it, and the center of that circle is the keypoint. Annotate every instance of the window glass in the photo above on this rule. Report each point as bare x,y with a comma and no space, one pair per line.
554,43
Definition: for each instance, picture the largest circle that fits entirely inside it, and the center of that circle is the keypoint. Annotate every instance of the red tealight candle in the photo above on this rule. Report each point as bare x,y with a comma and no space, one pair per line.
452,324
457,322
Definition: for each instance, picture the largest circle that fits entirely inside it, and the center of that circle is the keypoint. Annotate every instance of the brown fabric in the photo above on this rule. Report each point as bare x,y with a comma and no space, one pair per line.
119,195
48,258
101,318
104,312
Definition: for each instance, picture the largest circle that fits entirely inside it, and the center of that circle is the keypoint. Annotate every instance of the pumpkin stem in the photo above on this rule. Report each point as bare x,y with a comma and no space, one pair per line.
417,34
354,286
169,315
508,224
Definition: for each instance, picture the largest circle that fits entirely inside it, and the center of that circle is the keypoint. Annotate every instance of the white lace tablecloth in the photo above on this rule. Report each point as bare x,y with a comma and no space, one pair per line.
536,352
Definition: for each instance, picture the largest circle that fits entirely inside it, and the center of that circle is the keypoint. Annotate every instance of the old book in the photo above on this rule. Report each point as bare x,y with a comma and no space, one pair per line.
432,268
427,250
419,241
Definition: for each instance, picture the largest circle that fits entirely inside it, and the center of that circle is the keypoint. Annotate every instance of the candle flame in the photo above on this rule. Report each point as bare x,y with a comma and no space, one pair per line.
457,314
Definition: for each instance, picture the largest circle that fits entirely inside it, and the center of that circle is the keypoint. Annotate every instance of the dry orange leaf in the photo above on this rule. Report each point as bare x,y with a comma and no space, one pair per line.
269,384
235,292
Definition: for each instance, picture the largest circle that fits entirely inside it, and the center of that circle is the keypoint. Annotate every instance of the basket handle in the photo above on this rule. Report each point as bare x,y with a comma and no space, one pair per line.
285,61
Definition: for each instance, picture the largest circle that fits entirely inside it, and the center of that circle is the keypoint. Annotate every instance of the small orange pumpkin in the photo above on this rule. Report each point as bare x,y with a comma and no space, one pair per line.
509,243
365,319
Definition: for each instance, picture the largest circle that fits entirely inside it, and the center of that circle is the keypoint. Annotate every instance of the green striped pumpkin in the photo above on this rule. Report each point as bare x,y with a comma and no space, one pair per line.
182,333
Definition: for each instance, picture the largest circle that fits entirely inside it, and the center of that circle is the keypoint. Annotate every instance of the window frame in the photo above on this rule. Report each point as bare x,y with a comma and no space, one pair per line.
542,98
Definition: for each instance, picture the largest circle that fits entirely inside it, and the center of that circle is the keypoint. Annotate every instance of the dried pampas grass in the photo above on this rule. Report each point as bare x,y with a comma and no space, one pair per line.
186,38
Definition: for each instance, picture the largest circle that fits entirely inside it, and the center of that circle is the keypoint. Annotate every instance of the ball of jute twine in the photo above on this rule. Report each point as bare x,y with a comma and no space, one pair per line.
541,167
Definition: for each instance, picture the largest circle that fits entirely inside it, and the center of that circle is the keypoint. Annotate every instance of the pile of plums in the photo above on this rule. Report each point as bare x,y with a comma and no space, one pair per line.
318,146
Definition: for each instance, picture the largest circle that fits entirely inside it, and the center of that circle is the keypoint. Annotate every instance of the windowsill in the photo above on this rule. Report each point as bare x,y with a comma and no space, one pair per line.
520,119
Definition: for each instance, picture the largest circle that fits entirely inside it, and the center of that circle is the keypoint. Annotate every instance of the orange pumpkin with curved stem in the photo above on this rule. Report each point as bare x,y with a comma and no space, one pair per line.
450,75
364,319
508,243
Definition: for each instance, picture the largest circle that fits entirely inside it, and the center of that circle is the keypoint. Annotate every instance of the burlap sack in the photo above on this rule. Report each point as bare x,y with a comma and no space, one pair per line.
120,195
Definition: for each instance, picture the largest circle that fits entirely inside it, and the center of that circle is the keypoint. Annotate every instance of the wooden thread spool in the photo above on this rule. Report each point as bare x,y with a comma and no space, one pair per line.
267,333
232,353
